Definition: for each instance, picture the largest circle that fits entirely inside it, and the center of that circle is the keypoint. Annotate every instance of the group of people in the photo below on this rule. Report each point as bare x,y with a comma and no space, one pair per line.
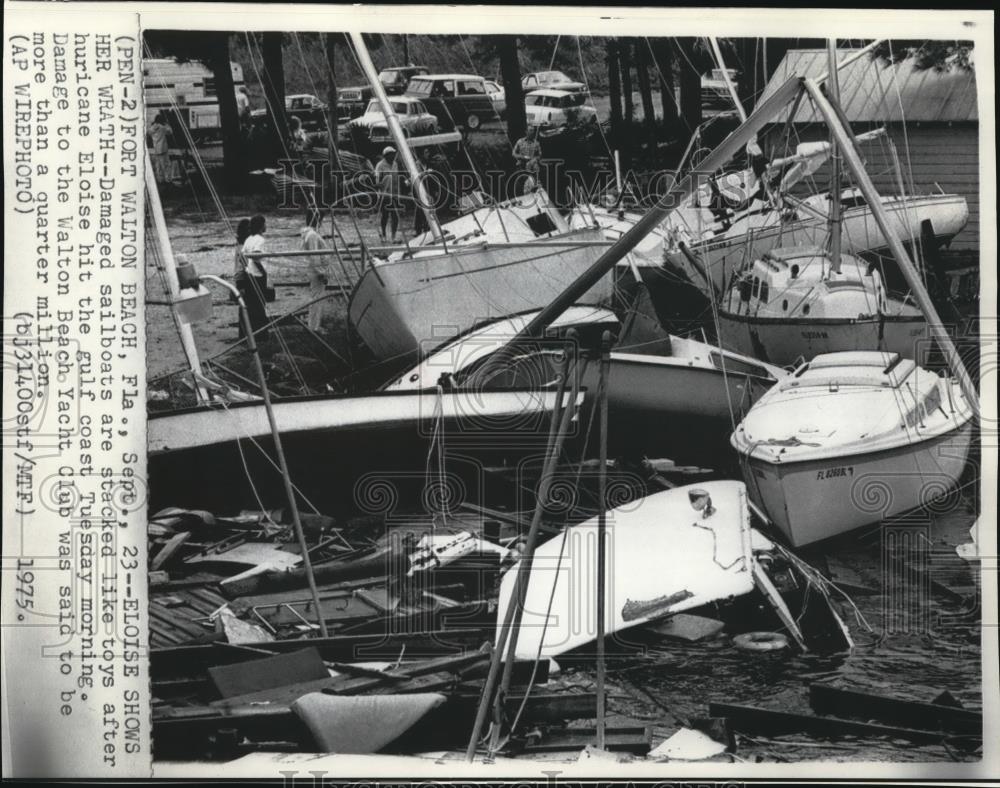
250,275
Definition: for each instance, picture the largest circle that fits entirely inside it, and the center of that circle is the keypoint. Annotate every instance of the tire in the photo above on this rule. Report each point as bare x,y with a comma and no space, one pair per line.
472,122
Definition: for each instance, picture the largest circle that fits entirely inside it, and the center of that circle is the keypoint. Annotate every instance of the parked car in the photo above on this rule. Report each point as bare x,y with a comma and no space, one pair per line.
714,92
351,102
550,79
395,79
455,99
554,108
498,96
306,107
412,113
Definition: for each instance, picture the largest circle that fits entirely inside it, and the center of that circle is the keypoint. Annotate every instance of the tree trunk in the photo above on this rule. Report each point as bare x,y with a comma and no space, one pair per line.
645,89
663,58
615,91
274,91
625,58
330,47
510,73
690,84
233,149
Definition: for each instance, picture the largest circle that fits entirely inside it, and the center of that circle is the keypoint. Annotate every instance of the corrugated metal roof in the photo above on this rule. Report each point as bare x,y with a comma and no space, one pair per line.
875,92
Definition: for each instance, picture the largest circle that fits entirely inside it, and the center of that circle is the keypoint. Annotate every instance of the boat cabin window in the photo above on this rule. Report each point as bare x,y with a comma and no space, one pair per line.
744,287
737,366
805,309
764,292
756,287
541,224
784,305
795,271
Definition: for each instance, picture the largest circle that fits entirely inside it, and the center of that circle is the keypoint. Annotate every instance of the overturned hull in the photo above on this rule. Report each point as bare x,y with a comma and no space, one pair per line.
345,453
663,557
418,303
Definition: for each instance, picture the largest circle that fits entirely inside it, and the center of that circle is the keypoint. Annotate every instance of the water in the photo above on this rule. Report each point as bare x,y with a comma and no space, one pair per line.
922,644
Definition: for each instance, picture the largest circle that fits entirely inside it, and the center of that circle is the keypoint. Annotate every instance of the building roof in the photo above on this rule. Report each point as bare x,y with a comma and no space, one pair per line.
872,91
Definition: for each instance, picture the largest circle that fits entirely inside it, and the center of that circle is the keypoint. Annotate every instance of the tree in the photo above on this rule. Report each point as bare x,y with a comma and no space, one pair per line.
510,73
212,49
625,59
690,60
663,62
274,90
615,91
330,50
645,89
938,55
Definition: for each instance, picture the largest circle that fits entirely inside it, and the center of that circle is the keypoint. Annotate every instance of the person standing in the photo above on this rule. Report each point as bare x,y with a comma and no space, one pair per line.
389,181
319,267
427,169
256,278
159,133
528,156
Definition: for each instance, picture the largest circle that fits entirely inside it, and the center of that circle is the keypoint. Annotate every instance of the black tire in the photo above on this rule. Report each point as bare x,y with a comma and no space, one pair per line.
472,122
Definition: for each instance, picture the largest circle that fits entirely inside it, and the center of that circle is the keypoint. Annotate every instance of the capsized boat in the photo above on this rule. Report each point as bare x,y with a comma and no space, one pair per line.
666,553
850,439
793,304
342,450
675,400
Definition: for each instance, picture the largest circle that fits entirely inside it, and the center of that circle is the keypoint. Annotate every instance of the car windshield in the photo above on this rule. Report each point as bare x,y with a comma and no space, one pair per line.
535,101
548,77
390,77
572,100
421,86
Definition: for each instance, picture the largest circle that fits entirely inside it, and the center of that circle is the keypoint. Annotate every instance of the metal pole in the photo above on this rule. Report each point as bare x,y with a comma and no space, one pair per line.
729,147
276,436
835,228
559,417
602,525
416,176
163,240
521,588
725,75
909,271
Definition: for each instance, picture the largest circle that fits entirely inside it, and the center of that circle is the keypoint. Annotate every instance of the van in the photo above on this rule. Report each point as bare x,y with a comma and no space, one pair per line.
455,99
186,91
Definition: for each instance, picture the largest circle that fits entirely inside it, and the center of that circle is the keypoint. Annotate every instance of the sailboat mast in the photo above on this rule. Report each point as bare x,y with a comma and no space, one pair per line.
398,136
721,64
844,140
835,220
167,255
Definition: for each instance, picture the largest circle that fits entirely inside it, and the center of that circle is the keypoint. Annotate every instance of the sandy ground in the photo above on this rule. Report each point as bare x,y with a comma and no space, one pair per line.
209,244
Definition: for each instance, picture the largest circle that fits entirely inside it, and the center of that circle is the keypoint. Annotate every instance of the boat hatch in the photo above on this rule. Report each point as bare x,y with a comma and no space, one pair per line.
881,370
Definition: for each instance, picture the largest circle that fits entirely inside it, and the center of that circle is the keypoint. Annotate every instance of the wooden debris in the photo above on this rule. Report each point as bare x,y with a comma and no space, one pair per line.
825,699
771,722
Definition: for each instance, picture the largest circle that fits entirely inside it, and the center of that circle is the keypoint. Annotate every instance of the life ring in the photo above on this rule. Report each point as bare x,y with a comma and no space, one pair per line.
760,641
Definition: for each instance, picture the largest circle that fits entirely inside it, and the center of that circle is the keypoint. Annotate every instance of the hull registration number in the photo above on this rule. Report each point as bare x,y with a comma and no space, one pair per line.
833,473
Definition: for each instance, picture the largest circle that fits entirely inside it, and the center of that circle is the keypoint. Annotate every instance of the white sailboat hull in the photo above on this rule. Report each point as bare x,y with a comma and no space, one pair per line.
662,557
417,304
785,341
343,451
947,213
817,499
